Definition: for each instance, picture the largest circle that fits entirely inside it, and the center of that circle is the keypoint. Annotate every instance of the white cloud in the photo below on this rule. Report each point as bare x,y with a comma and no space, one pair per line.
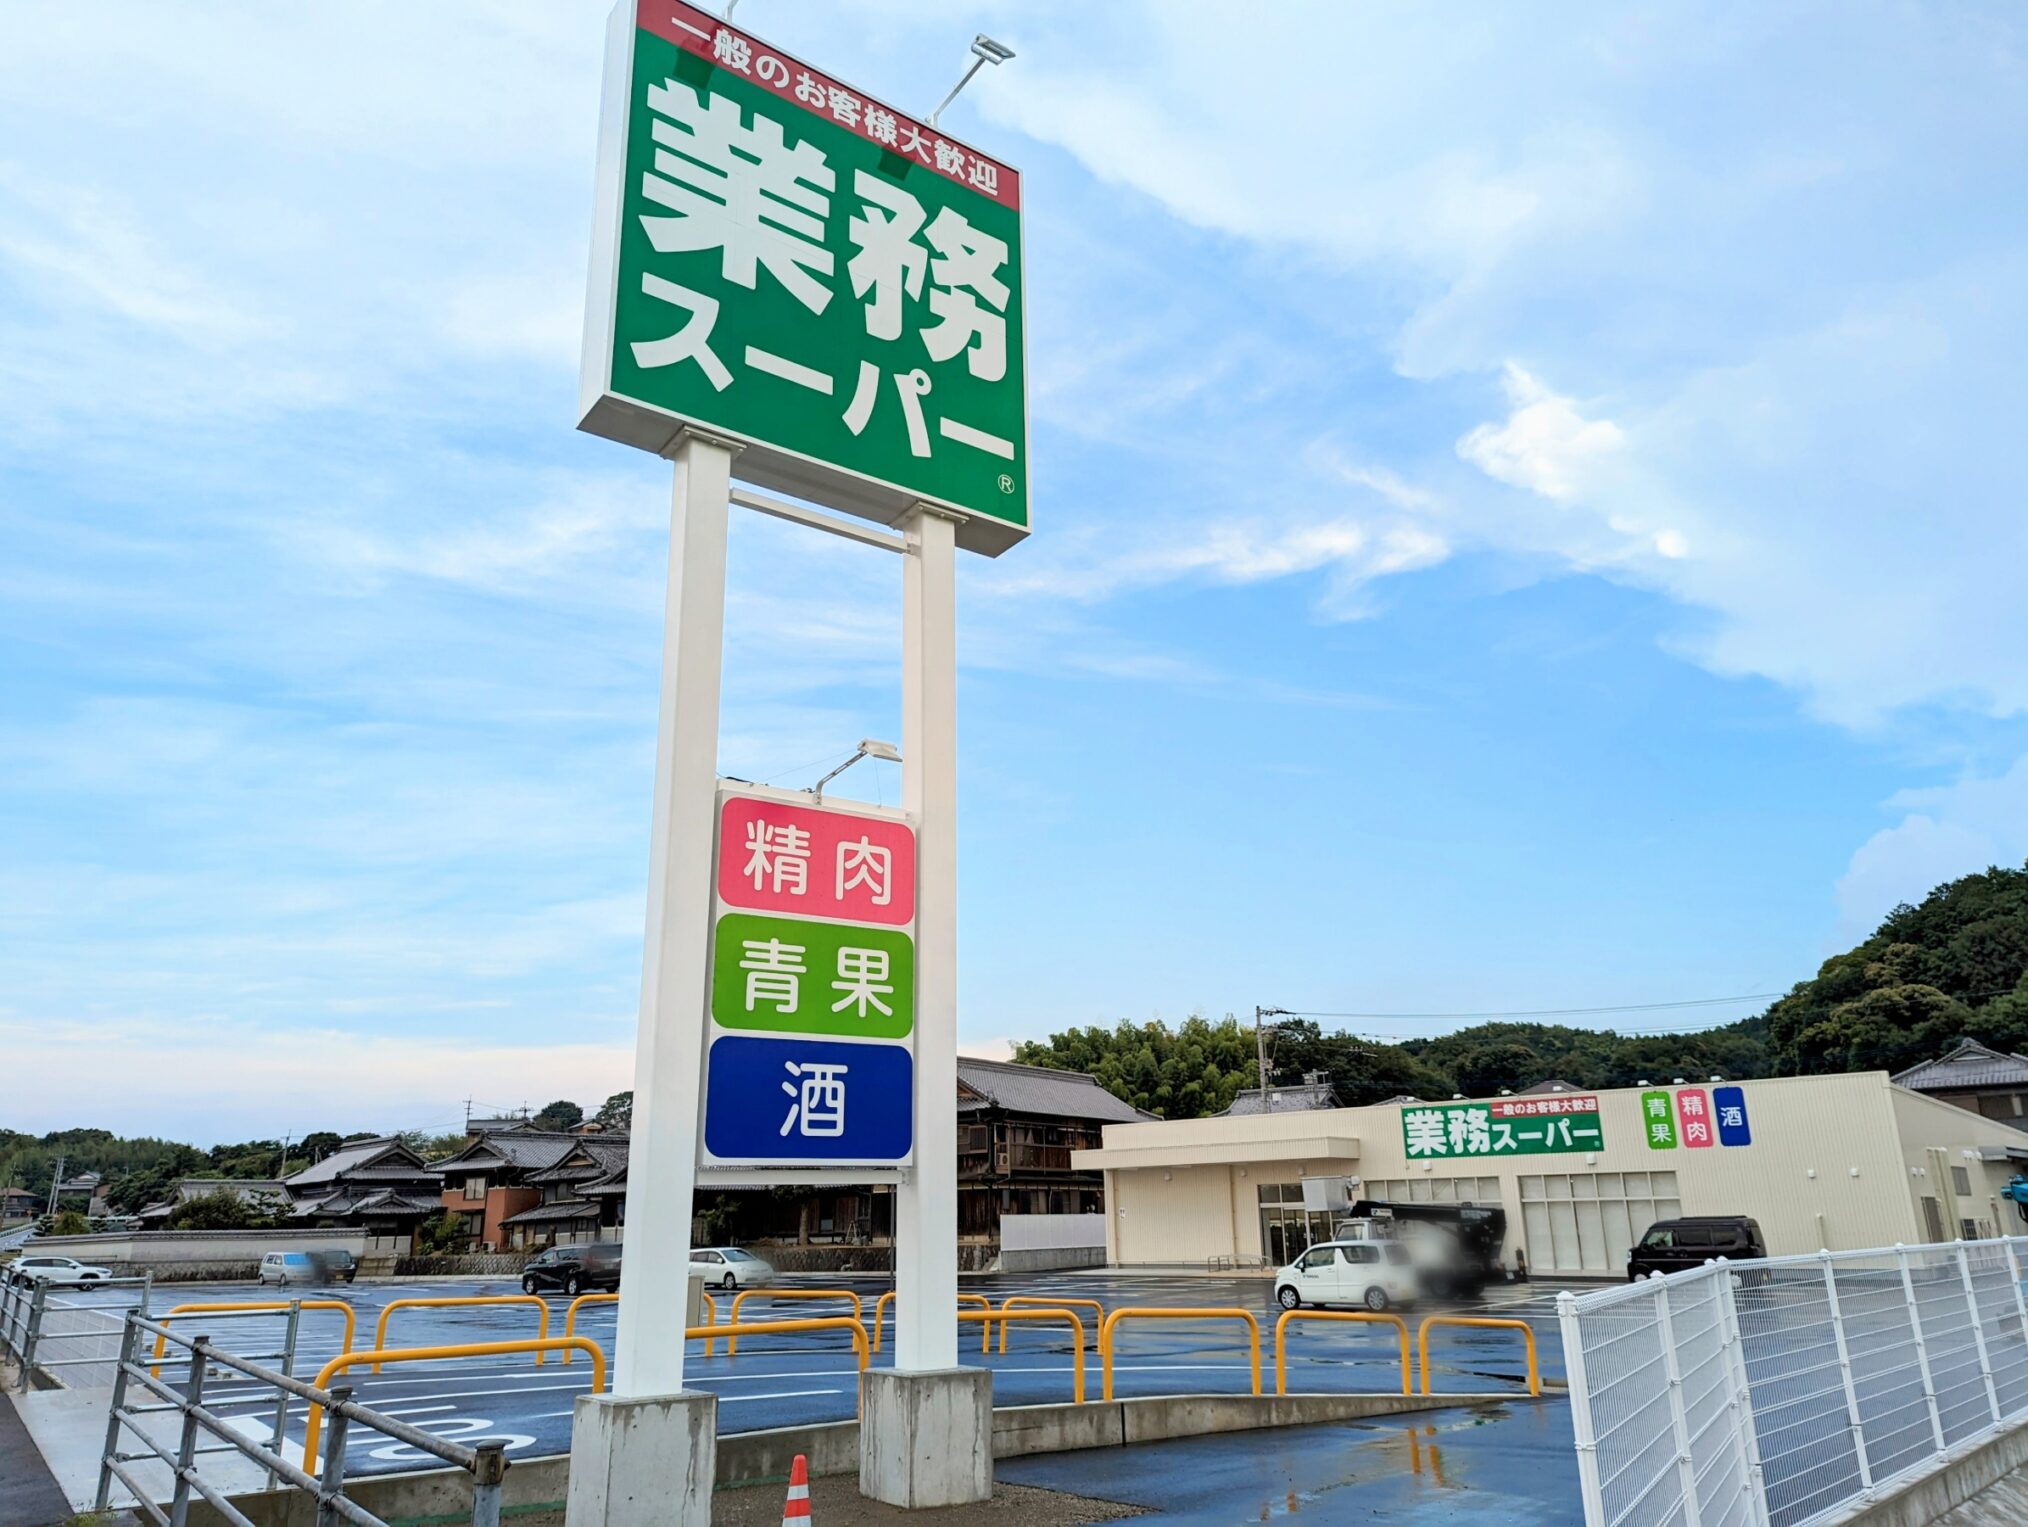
1797,347
1352,550
1945,832
1544,444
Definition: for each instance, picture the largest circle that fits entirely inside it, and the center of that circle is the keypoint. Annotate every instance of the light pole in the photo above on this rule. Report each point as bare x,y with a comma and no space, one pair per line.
1260,1028
985,51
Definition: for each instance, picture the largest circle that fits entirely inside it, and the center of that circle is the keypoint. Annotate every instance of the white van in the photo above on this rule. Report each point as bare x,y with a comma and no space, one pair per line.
281,1267
1369,1274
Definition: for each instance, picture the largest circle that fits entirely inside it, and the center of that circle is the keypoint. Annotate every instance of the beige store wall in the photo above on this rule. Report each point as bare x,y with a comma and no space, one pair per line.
1168,1214
1834,1161
1938,1142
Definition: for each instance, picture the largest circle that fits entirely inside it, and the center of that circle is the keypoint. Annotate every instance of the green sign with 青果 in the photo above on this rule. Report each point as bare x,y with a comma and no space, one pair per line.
791,975
785,261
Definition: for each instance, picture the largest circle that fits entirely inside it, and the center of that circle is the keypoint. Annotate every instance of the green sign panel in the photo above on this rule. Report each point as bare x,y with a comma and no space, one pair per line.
789,263
791,975
1658,1121
1503,1127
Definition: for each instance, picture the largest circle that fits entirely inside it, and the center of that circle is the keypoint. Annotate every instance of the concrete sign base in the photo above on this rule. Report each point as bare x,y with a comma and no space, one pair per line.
926,1439
637,1461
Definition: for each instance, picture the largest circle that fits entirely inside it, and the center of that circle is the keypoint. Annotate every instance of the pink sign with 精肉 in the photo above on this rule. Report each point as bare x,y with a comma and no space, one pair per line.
1693,1117
779,856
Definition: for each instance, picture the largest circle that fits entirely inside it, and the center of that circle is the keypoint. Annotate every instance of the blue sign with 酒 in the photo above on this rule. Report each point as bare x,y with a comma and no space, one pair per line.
783,1101
1728,1105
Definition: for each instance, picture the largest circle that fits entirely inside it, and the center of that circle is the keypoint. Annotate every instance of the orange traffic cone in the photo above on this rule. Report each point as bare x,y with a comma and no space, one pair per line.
797,1512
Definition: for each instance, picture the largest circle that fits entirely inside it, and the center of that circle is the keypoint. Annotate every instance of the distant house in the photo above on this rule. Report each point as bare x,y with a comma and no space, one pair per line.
1314,1092
497,1126
579,1202
1993,1083
265,1193
1017,1126
380,1186
1552,1084
487,1183
19,1203
90,1186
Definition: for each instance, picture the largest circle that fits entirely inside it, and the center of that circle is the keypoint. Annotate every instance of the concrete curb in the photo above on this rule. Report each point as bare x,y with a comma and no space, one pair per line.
1961,1477
442,1496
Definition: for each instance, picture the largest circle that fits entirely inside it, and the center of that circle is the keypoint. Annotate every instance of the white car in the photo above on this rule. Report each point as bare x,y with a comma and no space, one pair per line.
57,1272
1364,1273
729,1267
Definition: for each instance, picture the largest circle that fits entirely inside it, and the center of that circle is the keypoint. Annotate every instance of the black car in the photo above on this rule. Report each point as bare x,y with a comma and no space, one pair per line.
334,1266
1673,1245
574,1269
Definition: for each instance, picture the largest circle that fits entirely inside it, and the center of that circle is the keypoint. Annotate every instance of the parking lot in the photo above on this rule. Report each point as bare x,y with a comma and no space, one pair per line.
779,1380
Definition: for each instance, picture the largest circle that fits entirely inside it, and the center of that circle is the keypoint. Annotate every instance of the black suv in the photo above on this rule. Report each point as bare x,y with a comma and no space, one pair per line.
1673,1245
574,1269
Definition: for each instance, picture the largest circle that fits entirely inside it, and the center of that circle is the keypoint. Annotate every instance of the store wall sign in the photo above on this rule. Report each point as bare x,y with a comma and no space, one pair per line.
1695,1118
1502,1127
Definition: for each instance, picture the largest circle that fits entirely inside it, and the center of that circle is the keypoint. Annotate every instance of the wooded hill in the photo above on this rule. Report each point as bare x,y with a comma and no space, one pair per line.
1954,967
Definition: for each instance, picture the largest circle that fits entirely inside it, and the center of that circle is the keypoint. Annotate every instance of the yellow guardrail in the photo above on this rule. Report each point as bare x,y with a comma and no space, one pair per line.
338,1365
1038,1302
1282,1339
279,1305
730,1330
732,1341
1484,1321
978,1302
989,1315
541,1305
704,1303
1106,1337
965,1301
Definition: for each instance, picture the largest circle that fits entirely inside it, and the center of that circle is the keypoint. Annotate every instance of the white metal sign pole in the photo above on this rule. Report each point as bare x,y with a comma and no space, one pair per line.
926,1219
669,1049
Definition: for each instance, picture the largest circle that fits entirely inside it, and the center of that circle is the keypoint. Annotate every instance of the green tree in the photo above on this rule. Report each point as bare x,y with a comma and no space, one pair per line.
434,1147
70,1222
1189,1072
226,1209
562,1114
616,1113
1952,966
442,1234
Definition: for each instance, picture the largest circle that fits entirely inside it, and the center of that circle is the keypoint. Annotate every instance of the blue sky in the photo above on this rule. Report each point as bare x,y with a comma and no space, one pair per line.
1528,502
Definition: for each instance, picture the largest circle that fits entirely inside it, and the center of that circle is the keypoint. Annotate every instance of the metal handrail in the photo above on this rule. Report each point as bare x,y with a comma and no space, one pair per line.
1068,1317
732,1342
1282,1338
1041,1302
1233,1312
487,1463
23,1331
447,1301
380,1355
255,1307
1482,1322
704,1303
979,1302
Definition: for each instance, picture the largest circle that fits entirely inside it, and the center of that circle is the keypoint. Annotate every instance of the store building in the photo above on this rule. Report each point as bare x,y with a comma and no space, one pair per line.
1823,1161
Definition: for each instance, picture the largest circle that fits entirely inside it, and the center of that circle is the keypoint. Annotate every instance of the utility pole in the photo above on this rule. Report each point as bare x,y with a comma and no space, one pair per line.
55,1183
1260,1033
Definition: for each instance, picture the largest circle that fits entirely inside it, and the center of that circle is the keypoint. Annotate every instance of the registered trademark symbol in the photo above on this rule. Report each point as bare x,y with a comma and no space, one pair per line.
1006,482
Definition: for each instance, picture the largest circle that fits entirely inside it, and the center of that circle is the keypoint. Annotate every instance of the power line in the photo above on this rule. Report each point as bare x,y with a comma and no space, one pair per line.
1544,1012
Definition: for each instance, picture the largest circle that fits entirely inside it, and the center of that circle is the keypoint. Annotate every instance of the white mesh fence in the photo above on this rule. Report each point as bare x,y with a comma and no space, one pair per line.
1773,1393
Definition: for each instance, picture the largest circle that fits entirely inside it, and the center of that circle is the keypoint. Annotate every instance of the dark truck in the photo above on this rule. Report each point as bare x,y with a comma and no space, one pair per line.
1456,1248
